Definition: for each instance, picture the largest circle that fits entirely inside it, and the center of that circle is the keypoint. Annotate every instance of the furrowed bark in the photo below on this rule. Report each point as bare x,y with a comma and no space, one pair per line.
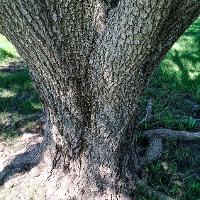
90,61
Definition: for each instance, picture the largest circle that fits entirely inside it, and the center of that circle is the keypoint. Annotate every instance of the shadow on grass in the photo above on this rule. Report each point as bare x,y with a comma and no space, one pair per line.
17,91
174,86
5,54
174,89
18,97
180,70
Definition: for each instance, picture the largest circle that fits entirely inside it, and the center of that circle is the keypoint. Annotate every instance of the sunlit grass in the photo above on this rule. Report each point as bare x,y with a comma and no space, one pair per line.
7,46
17,94
175,92
175,85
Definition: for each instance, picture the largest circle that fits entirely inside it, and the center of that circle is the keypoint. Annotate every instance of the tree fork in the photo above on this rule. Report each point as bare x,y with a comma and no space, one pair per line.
90,61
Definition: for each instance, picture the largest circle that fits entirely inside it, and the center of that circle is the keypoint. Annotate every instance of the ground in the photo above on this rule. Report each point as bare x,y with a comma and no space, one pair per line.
172,100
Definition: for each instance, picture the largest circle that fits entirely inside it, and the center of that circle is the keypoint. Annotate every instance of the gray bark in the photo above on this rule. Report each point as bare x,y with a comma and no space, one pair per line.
90,61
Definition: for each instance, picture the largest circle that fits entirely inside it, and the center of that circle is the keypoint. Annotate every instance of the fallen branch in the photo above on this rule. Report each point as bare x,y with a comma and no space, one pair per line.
172,134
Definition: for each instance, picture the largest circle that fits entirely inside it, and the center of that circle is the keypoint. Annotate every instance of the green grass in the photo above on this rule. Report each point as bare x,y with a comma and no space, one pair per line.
18,97
7,50
174,86
175,92
177,174
7,46
21,94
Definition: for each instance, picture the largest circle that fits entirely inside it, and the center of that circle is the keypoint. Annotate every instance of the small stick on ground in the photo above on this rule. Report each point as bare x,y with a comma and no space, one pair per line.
149,110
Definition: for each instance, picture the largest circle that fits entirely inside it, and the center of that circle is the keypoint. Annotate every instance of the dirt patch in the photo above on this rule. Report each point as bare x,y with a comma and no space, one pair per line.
28,185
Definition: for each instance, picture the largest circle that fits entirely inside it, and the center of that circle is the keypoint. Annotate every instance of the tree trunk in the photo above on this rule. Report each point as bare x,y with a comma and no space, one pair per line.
90,61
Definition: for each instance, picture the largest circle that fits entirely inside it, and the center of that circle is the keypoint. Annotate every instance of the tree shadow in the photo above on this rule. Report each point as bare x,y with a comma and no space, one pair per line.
5,54
22,163
18,97
18,100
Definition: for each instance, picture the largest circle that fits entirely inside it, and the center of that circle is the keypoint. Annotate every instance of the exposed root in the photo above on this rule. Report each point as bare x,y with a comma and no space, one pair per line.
22,162
172,134
156,138
153,152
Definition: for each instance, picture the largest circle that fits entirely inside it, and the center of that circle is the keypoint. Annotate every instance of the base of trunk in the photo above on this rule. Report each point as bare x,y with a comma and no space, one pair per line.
84,180
95,174
68,186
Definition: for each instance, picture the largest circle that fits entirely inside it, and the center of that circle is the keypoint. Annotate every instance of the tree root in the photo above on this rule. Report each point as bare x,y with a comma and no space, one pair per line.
172,134
22,162
153,152
156,137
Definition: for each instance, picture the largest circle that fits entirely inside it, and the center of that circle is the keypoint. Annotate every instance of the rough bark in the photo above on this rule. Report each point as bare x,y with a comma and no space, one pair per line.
90,61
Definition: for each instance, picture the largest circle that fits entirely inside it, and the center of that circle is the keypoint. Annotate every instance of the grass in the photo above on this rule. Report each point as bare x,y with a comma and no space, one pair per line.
175,92
18,97
7,50
174,89
8,47
174,86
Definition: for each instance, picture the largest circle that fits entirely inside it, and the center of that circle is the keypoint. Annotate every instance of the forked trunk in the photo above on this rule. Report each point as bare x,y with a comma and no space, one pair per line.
93,154
90,61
